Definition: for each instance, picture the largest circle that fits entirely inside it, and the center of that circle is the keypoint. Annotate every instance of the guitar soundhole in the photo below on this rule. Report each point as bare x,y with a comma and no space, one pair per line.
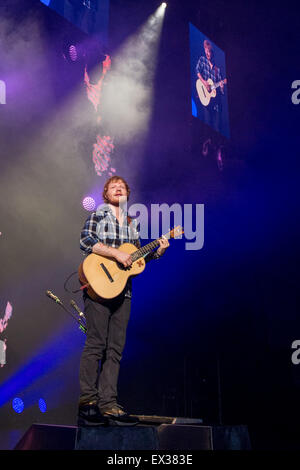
106,272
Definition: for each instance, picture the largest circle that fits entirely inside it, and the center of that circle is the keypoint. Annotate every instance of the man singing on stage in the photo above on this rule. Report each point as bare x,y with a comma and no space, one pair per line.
103,232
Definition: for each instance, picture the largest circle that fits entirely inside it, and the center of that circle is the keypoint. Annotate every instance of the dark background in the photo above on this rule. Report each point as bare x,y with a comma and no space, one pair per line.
210,327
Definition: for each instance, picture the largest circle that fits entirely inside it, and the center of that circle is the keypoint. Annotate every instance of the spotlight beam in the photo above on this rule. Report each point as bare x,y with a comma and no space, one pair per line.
129,86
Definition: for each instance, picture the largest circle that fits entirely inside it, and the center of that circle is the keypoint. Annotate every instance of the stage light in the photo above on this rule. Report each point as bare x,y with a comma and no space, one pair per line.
89,203
42,405
164,5
73,53
18,405
129,86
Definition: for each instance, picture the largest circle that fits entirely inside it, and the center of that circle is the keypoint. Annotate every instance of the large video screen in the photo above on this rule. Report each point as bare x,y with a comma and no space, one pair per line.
208,82
91,16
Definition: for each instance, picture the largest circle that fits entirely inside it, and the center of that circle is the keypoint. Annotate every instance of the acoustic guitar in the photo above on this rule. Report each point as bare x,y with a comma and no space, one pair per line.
204,95
104,278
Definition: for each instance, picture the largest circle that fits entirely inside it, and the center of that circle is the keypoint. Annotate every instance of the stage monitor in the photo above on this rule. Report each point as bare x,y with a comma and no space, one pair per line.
208,82
91,16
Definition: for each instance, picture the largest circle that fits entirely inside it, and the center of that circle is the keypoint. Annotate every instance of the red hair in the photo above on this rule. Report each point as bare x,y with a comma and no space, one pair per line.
111,180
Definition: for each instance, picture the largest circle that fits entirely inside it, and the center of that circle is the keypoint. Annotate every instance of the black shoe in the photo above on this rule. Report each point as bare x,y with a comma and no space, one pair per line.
118,417
90,415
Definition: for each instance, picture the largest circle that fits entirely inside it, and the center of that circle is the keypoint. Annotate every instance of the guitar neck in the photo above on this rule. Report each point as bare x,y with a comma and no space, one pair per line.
216,85
144,250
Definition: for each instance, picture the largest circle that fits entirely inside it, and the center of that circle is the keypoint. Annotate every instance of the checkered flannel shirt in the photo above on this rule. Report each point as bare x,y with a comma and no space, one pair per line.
206,72
102,226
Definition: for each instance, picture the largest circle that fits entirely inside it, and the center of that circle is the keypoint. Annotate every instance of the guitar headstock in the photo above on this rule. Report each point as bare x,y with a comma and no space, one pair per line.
175,232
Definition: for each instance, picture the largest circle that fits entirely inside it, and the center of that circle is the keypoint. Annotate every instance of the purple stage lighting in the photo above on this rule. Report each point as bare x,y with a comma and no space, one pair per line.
18,405
89,203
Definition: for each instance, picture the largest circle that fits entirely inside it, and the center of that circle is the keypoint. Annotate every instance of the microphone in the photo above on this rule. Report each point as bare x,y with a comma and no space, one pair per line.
53,297
80,313
59,302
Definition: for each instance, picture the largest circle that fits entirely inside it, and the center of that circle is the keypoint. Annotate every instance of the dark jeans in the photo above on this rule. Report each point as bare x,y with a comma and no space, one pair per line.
105,341
212,117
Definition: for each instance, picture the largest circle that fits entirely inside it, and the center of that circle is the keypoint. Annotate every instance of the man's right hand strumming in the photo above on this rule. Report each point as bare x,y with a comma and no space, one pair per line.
123,258
207,86
105,250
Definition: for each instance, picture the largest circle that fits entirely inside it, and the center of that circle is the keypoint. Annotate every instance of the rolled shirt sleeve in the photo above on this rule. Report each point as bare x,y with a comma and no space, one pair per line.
88,236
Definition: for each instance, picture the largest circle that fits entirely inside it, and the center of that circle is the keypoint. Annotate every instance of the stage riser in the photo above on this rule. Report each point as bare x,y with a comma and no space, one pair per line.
117,438
163,437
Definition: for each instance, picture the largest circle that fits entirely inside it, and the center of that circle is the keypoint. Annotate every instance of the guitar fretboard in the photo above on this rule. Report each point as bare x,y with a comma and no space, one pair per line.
144,250
216,85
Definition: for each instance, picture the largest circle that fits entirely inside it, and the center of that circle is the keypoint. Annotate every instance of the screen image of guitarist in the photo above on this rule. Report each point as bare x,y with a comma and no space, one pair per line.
208,76
208,82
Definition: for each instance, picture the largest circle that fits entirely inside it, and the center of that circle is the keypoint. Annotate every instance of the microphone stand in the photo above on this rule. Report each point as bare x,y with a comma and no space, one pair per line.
82,327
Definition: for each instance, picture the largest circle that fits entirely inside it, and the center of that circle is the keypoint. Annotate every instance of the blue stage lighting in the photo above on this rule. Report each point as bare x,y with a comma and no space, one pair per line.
42,405
18,405
194,108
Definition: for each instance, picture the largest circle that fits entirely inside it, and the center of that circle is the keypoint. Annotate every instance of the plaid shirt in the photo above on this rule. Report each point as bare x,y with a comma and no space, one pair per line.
103,226
206,72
